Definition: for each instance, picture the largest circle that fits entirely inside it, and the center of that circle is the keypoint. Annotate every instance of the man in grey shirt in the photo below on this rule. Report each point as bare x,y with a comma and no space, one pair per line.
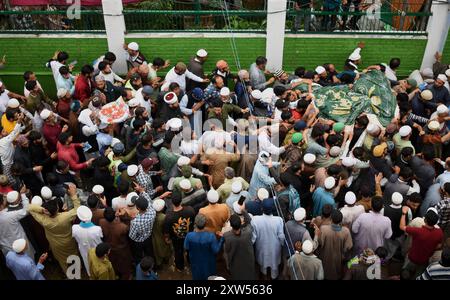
257,74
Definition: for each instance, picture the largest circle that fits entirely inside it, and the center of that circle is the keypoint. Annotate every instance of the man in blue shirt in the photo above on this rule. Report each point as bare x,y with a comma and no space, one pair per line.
322,196
23,267
144,270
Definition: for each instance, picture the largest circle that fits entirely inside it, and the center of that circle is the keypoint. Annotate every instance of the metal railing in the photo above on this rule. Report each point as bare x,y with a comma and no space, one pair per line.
304,21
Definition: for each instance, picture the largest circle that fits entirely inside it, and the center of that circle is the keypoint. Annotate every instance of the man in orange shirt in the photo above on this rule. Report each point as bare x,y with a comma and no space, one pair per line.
216,214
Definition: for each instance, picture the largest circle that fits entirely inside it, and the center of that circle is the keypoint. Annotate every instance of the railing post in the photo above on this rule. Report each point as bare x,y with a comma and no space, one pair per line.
197,8
276,21
115,32
438,26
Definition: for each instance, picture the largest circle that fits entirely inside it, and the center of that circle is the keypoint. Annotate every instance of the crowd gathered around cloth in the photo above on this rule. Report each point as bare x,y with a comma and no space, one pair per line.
339,172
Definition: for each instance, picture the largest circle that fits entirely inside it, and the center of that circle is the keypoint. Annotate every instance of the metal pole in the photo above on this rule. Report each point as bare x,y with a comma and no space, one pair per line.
197,7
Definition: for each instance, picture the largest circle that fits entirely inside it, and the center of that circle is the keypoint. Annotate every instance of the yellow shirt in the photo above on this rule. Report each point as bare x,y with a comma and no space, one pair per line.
101,268
7,125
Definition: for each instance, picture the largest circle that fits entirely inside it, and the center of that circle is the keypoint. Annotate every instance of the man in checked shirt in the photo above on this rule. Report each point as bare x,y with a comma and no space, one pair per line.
141,230
443,208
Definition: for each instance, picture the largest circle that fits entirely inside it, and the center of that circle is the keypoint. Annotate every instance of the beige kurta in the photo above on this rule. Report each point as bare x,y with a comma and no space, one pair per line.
220,160
334,244
58,231
216,216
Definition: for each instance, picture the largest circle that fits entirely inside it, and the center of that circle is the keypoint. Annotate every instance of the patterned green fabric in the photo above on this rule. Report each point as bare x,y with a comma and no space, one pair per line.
371,93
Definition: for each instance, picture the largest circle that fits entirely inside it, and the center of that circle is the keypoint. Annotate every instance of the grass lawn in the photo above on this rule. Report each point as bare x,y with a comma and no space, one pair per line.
32,53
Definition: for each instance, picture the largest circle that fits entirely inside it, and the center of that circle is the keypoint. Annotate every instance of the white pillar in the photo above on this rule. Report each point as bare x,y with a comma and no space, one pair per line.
115,32
276,21
438,26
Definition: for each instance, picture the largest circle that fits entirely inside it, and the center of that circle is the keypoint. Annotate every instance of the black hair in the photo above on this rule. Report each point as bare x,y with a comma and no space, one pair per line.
300,72
415,198
402,97
87,69
61,165
309,75
92,201
27,75
139,111
365,191
176,198
334,170
336,216
381,252
62,56
302,104
64,136
431,218
102,65
111,57
109,214
428,153
141,203
173,86
317,131
34,135
394,63
10,113
333,140
147,264
260,60
362,121
102,249
447,187
157,123
286,115
52,179
358,152
377,203
30,85
123,187
51,206
407,151
445,257
326,210
158,62
382,68
138,123
63,70
406,173
279,90
347,78
235,222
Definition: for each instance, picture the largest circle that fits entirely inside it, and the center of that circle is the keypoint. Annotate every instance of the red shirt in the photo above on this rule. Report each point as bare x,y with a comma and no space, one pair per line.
424,243
63,108
83,89
51,134
296,115
69,154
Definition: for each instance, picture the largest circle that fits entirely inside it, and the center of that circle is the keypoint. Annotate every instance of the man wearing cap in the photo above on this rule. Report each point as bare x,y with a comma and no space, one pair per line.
296,231
84,85
13,208
57,226
141,230
22,265
171,109
261,176
134,56
5,96
7,147
237,191
324,195
106,90
393,211
223,70
195,66
134,84
350,211
217,214
87,234
402,139
202,247
192,105
268,239
305,265
441,94
144,96
211,94
161,249
225,189
425,240
51,129
179,74
422,104
63,103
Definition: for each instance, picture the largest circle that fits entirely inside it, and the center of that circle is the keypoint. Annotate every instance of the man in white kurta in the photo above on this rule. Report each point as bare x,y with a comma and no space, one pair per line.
268,238
10,227
86,234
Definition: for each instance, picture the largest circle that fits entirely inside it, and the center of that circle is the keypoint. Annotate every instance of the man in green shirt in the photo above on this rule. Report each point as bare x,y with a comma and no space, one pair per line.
401,139
36,97
227,109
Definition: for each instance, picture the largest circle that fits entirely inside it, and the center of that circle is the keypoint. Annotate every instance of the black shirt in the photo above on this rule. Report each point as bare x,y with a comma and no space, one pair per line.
178,223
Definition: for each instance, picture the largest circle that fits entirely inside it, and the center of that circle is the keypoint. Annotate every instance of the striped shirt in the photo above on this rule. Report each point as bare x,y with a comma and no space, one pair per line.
443,208
435,271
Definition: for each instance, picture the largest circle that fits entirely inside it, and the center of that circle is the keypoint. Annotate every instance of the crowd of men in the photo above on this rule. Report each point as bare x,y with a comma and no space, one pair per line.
284,194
